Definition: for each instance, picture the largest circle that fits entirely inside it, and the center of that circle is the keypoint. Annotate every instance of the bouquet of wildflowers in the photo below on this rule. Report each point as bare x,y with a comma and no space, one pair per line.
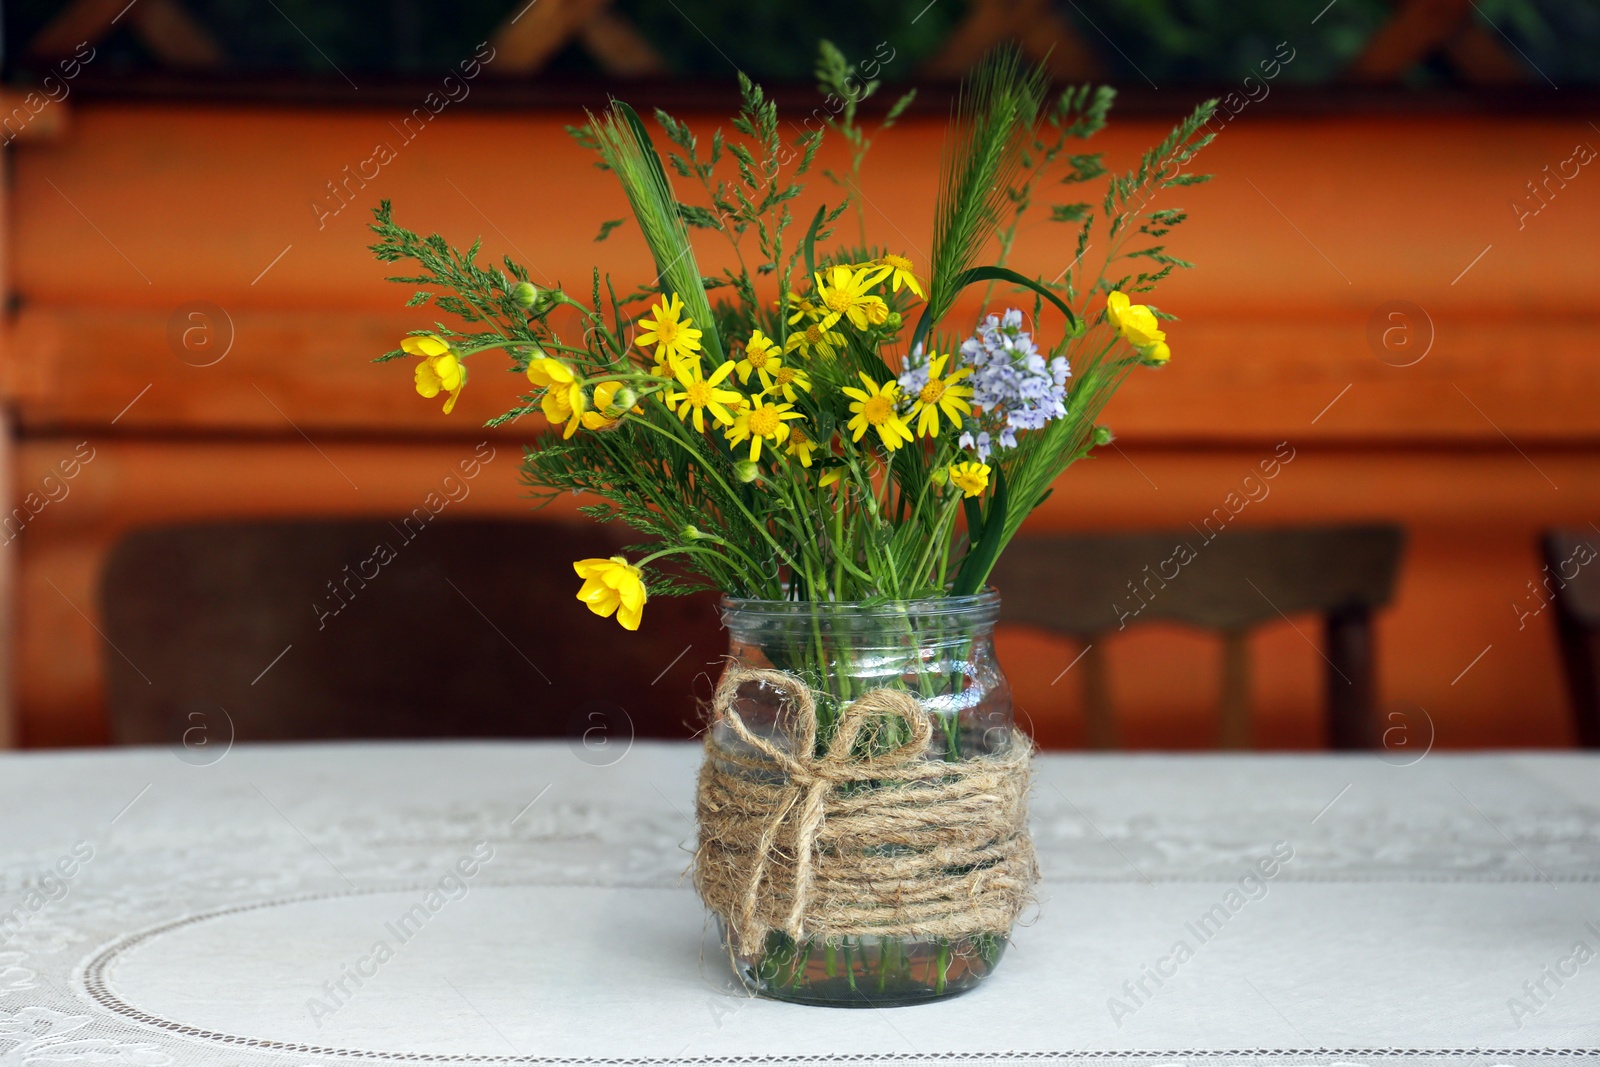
816,423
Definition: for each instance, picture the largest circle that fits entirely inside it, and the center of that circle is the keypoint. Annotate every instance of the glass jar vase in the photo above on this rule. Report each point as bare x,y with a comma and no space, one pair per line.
940,651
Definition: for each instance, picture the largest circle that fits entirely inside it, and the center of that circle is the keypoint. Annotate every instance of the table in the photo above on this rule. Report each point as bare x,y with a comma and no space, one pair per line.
207,905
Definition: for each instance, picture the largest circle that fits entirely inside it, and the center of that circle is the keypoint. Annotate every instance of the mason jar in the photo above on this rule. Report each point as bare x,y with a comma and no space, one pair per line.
941,652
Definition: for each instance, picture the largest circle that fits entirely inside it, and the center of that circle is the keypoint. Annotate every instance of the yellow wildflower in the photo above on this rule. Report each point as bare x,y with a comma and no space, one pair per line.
874,409
844,295
762,422
785,380
612,585
674,336
700,393
802,307
563,394
830,476
761,357
605,415
800,445
439,371
1139,326
815,338
971,478
941,394
902,273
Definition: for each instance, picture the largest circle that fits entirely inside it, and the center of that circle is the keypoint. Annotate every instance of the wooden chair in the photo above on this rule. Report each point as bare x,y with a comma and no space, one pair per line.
1092,585
367,629
1572,583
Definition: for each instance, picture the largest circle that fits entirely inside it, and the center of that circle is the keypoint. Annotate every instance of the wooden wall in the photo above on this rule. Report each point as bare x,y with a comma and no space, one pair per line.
1314,225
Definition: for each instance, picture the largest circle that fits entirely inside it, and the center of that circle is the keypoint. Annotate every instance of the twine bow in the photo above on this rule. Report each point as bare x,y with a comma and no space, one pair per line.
960,860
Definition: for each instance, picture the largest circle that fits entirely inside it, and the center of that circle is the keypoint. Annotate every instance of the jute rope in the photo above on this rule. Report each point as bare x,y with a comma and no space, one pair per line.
931,849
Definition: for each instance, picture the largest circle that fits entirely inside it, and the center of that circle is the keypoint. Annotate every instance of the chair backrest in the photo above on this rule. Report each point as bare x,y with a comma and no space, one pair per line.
1571,581
1572,573
344,629
1093,585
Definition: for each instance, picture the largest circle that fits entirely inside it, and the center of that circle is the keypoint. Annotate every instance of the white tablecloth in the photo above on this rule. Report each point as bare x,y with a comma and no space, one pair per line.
156,908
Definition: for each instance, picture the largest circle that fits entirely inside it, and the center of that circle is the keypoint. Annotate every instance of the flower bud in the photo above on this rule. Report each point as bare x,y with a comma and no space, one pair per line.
691,533
623,399
746,471
525,294
939,476
1103,435
894,321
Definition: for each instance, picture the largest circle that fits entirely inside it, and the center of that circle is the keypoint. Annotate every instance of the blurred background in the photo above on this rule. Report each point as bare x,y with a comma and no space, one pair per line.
219,515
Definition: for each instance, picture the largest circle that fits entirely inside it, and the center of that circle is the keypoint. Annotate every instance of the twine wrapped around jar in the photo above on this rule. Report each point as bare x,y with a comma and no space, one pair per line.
930,850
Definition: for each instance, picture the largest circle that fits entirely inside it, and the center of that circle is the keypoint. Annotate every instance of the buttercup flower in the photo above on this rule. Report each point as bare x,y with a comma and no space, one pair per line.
785,380
439,371
612,585
700,393
935,394
675,337
901,270
1138,326
874,409
563,394
844,295
760,357
605,403
971,478
762,422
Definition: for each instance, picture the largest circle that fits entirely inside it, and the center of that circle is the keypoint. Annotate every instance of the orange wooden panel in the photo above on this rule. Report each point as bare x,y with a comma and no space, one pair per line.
153,205
1234,378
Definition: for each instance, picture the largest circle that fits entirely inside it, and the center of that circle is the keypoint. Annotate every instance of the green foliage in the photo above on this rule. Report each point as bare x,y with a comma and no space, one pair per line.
886,524
994,117
843,92
625,146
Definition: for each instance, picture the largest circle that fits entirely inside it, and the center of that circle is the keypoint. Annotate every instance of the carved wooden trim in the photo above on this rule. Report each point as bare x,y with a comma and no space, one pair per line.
1042,34
1419,29
532,35
163,26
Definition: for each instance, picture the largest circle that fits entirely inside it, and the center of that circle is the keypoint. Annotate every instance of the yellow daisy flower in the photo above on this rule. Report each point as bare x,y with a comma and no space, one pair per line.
785,380
439,371
800,445
700,393
844,295
802,307
941,394
817,339
613,585
563,393
874,409
760,357
762,422
901,273
673,335
971,478
1138,326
